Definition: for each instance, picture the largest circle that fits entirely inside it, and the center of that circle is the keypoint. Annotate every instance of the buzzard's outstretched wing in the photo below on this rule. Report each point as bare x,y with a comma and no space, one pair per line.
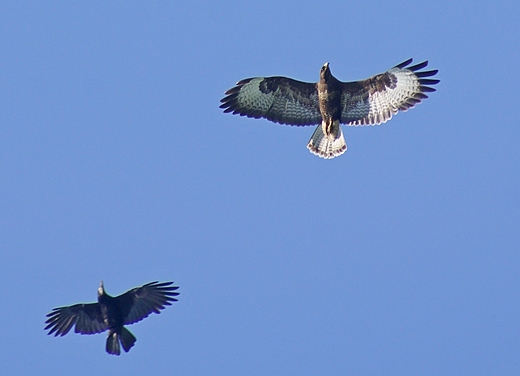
140,302
279,99
377,99
87,317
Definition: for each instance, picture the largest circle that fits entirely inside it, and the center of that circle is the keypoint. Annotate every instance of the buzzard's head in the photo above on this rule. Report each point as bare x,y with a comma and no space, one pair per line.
325,72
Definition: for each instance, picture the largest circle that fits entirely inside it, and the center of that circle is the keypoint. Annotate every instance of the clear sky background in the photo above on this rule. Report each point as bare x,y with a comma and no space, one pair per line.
400,257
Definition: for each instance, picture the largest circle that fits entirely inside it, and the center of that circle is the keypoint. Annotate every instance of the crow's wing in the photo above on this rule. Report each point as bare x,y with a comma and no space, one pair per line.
87,318
375,100
140,302
279,99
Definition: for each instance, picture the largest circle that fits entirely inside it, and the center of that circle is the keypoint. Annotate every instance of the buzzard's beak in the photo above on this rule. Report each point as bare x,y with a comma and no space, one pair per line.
325,68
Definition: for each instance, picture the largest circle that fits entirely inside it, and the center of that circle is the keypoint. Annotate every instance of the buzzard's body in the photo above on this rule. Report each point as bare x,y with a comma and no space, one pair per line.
112,313
331,102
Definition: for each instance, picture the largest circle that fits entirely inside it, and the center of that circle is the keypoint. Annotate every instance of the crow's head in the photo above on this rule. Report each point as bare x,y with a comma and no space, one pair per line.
101,289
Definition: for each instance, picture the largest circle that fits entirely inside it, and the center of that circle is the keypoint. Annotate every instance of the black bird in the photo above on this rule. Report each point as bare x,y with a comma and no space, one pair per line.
112,313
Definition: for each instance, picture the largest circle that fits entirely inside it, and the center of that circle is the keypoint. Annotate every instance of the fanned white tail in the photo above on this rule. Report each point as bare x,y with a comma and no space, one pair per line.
330,145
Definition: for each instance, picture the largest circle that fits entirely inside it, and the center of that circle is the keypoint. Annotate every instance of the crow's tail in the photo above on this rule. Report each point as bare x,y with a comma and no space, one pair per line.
127,340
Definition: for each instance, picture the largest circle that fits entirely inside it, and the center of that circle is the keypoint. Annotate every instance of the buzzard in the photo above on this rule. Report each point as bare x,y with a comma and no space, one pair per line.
330,102
112,313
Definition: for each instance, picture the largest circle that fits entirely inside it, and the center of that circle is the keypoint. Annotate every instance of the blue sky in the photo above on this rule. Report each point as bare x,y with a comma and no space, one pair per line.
401,257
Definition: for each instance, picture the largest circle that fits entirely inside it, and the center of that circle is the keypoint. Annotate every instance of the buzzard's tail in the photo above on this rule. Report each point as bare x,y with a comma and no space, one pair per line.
127,340
330,145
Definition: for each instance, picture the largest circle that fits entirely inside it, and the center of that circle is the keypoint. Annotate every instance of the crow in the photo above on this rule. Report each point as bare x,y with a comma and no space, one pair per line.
112,313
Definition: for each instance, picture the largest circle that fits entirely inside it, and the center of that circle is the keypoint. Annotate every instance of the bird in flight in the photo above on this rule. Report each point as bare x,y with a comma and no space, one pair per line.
112,313
330,102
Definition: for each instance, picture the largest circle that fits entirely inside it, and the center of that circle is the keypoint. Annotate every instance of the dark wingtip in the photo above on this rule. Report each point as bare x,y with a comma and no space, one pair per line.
428,81
244,81
404,63
418,66
427,73
427,89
